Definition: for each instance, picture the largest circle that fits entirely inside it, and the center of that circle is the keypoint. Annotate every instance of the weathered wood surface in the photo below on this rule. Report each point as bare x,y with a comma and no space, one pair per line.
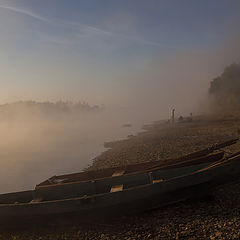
141,167
173,187
116,188
192,158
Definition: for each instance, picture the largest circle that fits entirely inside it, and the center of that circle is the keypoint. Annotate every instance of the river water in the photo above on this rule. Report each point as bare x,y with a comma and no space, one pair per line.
33,150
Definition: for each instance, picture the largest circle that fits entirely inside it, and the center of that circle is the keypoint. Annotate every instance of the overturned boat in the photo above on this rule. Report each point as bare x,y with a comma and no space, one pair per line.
125,189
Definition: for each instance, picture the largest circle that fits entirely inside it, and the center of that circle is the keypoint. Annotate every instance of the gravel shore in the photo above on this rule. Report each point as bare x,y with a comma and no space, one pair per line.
213,217
163,141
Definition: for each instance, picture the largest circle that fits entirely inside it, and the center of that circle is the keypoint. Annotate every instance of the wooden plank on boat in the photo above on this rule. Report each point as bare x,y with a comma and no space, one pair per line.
177,185
140,167
116,188
36,200
118,173
192,158
157,180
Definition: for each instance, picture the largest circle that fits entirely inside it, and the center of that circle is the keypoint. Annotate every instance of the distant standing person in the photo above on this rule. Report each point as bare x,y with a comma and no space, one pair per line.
172,116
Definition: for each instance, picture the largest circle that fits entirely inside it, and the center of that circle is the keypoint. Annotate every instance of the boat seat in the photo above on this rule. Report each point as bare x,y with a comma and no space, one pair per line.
36,200
116,188
158,180
118,173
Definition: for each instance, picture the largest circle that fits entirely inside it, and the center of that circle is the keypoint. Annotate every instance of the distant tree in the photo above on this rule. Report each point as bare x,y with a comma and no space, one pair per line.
225,89
45,109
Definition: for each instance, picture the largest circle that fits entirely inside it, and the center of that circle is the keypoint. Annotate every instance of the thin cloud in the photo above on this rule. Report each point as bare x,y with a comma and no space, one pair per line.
117,35
87,27
25,12
82,26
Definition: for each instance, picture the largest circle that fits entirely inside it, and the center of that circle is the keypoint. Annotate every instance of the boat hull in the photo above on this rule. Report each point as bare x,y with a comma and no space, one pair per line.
134,199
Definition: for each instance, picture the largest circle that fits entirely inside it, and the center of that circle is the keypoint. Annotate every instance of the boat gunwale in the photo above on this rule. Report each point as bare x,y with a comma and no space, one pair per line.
223,163
137,172
188,157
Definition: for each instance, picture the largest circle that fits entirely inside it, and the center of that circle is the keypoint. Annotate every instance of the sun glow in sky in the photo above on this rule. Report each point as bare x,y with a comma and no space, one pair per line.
105,51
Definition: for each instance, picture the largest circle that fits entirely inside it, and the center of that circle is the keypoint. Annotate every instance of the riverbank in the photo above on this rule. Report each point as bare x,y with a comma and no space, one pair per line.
162,141
215,218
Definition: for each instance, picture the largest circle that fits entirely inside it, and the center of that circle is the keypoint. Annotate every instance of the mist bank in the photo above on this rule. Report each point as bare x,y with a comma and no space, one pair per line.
181,78
37,144
22,110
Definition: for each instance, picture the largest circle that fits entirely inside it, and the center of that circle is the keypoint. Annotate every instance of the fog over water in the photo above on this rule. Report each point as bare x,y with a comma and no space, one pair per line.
33,149
139,58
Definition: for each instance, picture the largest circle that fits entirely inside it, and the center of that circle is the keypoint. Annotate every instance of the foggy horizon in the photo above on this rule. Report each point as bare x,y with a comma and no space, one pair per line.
116,55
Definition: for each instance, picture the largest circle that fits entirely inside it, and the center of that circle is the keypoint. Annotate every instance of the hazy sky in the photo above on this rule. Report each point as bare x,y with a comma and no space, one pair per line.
98,51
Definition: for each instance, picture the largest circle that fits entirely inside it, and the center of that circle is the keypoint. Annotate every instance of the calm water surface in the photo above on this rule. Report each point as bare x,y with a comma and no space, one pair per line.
34,150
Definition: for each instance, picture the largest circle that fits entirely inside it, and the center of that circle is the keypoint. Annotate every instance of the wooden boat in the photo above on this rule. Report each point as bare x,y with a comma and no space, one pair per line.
201,156
135,191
